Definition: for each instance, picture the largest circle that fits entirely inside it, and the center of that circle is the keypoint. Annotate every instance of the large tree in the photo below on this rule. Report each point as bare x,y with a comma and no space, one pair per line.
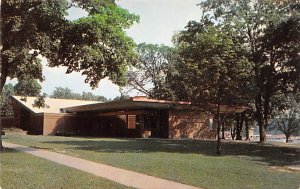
149,74
96,45
212,67
269,32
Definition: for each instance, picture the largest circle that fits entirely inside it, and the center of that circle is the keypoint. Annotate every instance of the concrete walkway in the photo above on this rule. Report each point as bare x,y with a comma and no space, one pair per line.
122,176
294,167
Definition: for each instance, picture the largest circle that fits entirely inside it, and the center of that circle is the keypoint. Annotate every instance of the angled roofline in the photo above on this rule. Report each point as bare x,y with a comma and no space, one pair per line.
23,105
141,102
130,103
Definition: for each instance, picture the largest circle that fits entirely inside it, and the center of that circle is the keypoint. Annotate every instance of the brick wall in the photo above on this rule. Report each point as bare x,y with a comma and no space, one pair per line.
190,124
65,124
8,122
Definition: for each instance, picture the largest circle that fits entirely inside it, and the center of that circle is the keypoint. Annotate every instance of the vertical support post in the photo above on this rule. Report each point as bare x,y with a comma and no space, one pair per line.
142,125
247,128
240,126
238,130
157,132
223,127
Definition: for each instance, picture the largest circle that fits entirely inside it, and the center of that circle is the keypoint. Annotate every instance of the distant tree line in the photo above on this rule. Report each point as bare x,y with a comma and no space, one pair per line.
31,87
66,93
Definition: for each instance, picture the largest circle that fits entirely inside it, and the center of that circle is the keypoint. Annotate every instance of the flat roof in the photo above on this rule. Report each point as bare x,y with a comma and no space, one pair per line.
132,103
54,104
142,102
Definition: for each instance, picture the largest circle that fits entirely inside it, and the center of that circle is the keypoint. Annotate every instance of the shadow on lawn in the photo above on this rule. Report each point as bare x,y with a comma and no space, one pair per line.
273,155
8,151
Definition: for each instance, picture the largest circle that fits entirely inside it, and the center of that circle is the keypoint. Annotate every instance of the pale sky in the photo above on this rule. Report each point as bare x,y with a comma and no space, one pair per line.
159,19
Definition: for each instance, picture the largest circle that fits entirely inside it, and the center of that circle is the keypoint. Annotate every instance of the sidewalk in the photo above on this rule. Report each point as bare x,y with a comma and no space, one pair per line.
294,167
122,176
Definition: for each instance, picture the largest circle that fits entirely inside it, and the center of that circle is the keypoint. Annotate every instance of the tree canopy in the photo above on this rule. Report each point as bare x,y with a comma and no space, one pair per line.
5,104
287,118
248,50
96,45
66,93
149,74
28,87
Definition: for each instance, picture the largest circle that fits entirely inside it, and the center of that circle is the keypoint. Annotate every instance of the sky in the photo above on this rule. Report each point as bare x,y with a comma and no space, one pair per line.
159,20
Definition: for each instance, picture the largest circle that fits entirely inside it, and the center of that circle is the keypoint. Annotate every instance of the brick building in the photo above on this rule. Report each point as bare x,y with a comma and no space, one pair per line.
134,117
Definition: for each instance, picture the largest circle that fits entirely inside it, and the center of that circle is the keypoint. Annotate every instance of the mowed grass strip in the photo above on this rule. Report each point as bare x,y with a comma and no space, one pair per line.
21,170
243,165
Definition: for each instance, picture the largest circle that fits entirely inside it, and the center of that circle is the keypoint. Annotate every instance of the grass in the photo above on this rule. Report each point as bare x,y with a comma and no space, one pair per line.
21,170
243,165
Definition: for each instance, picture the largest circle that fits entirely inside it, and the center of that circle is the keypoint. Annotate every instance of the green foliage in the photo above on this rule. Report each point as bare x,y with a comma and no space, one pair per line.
66,93
248,47
149,75
213,64
27,87
23,88
40,102
96,45
287,119
5,103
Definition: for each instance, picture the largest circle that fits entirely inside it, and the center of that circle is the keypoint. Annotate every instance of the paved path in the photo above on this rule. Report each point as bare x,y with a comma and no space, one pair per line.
294,167
122,176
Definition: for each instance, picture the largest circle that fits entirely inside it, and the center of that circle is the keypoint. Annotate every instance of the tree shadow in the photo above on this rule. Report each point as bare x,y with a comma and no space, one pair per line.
272,154
8,151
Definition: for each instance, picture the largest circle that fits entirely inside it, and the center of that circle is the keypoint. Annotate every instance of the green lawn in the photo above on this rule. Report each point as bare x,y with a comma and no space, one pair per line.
21,170
243,165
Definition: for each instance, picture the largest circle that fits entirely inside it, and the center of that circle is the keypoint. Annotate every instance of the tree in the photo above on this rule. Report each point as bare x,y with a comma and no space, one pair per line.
96,45
66,93
212,66
288,119
269,32
5,103
148,76
91,96
28,87
40,101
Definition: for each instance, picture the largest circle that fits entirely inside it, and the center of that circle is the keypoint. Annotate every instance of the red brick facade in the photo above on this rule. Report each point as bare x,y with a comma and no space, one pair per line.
190,124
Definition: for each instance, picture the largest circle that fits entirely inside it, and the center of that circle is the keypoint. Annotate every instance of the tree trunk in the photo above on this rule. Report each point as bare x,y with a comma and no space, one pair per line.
238,126
263,134
259,119
232,131
223,128
287,138
219,96
1,145
219,148
247,128
3,75
242,116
